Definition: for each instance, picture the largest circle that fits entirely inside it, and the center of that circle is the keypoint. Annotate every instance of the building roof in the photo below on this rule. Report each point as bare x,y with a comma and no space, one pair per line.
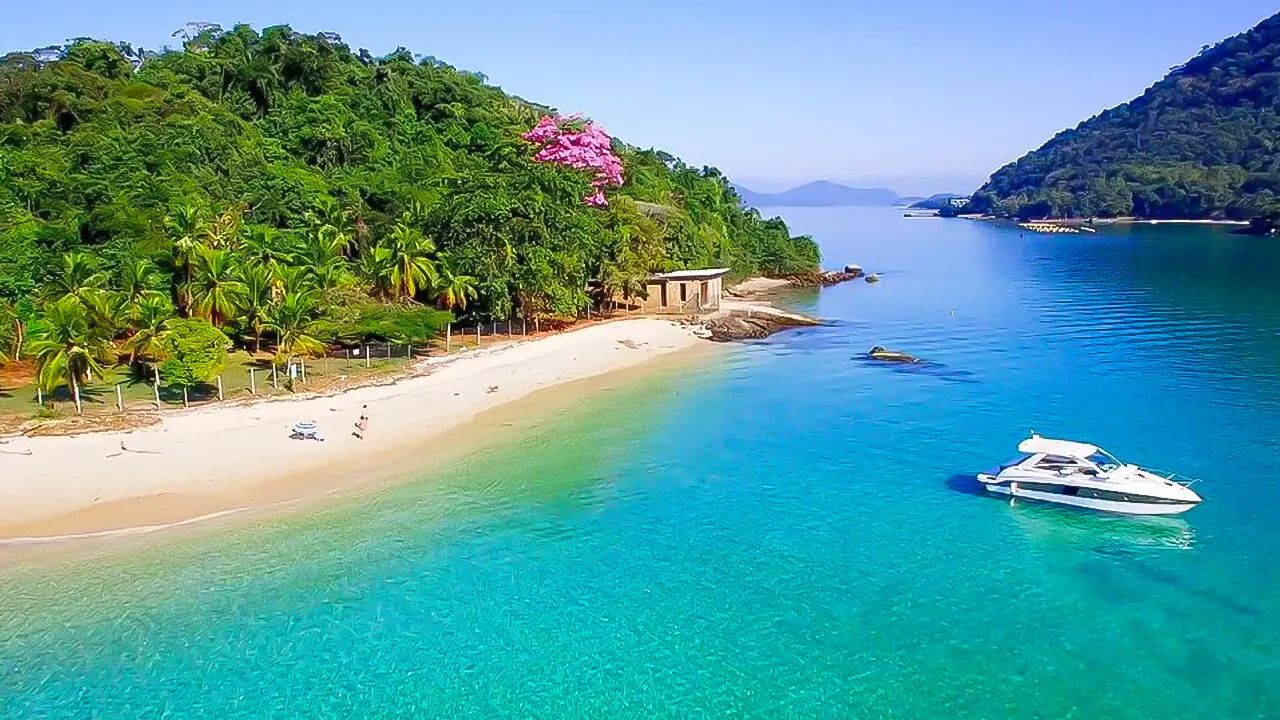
693,274
1036,444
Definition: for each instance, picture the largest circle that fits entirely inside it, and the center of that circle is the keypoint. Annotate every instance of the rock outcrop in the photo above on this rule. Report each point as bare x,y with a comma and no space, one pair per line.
750,321
827,278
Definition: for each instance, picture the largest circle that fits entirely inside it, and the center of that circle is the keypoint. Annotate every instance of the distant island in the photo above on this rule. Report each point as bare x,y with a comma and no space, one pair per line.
822,193
939,201
1203,143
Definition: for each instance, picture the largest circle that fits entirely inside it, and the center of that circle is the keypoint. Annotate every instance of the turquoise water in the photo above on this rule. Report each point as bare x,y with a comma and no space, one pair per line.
784,531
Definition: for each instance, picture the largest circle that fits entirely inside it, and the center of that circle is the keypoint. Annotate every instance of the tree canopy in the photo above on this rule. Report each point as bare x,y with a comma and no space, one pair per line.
281,187
1204,142
177,156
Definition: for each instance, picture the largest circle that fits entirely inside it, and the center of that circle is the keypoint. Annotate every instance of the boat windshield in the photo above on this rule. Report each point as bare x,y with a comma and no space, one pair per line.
1104,461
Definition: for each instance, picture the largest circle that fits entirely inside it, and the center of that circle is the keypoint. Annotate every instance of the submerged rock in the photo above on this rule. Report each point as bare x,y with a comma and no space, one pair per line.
894,356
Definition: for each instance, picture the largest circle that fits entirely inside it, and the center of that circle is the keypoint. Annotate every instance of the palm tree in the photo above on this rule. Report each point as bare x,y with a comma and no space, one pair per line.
77,277
151,315
224,232
216,289
294,280
109,312
67,347
323,259
255,305
11,332
186,224
330,223
375,267
265,247
293,322
411,268
137,279
451,290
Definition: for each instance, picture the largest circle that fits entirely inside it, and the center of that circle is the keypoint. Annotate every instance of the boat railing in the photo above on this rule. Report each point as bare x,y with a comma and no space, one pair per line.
1184,480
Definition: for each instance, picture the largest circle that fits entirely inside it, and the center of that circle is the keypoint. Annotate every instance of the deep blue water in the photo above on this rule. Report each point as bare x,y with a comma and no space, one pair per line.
781,531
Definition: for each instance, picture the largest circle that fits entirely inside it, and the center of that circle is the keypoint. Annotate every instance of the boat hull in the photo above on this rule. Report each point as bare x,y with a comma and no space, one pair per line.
1125,507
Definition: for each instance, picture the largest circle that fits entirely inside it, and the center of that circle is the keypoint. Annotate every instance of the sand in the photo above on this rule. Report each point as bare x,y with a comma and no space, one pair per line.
759,285
209,462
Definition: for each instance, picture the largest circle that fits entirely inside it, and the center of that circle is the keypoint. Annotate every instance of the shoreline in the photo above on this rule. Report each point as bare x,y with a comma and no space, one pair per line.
231,461
1110,221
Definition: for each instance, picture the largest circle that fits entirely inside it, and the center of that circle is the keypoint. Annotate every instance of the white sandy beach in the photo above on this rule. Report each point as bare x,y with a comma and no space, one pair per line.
206,458
759,285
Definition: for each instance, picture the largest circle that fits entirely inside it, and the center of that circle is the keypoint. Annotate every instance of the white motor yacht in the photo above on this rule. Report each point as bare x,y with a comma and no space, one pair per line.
1072,473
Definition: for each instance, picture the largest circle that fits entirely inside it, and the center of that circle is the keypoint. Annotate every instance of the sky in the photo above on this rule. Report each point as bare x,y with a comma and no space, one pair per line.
920,96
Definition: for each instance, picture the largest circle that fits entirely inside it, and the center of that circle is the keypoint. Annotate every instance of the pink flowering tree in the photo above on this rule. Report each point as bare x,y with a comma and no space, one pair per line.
577,144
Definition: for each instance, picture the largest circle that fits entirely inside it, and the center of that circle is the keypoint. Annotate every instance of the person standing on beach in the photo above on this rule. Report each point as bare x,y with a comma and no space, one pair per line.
363,423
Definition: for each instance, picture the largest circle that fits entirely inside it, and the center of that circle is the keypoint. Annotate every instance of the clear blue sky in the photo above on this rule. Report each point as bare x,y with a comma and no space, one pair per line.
922,96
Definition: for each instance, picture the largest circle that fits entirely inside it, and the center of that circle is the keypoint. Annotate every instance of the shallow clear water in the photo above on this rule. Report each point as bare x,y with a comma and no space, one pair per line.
785,531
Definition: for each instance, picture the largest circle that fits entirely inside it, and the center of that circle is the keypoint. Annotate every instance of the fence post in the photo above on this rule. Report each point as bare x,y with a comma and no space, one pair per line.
275,376
157,388
253,383
537,324
220,398
347,362
366,355
524,326
448,338
588,312
119,399
302,365
185,403
477,335
39,396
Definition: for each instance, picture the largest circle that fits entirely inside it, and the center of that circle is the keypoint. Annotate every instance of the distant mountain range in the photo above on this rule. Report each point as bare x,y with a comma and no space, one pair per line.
820,194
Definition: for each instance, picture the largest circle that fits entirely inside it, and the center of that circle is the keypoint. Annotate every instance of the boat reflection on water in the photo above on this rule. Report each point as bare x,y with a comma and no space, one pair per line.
1102,532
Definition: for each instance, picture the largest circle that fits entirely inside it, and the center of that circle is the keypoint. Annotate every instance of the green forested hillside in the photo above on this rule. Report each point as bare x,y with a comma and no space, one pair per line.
1203,142
272,181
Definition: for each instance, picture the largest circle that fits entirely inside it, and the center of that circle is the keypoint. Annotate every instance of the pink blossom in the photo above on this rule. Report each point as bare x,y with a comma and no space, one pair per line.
581,145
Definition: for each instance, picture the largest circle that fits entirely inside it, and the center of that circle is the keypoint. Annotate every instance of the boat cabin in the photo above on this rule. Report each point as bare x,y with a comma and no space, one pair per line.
1066,456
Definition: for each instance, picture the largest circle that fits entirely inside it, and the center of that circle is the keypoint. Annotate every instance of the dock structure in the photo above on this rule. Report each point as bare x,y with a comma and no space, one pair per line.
1047,227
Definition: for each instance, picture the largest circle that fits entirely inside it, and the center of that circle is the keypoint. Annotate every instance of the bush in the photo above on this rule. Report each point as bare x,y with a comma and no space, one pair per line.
194,352
351,318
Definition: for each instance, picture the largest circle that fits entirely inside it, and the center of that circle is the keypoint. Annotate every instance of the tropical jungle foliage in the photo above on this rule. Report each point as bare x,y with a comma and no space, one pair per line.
294,194
1203,142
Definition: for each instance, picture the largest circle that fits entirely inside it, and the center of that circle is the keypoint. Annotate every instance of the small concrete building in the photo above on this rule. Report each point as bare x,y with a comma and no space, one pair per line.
683,292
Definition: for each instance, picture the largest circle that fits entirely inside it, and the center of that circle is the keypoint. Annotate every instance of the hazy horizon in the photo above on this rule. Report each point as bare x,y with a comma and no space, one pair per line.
922,99
922,186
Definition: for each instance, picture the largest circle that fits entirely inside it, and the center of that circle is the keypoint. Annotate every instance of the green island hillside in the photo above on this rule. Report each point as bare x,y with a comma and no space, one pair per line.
1204,142
293,194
